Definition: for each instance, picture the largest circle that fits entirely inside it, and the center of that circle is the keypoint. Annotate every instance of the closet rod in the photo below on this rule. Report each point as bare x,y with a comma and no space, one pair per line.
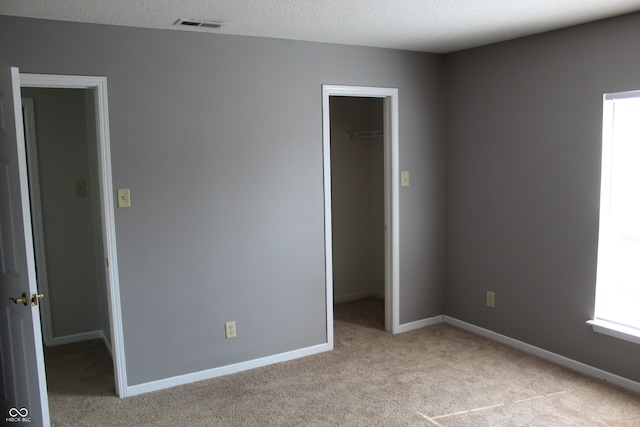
366,134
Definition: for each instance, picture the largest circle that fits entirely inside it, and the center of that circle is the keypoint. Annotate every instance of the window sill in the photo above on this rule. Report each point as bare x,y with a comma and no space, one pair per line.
613,329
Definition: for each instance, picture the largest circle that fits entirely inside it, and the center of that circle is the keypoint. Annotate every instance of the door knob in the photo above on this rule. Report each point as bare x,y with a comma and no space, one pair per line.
23,300
35,298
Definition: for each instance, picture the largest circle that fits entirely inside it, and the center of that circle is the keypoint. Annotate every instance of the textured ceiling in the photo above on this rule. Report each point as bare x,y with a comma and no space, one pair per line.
437,26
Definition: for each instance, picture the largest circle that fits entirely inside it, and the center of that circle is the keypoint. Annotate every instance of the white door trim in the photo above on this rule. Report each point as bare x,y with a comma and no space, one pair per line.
99,86
391,208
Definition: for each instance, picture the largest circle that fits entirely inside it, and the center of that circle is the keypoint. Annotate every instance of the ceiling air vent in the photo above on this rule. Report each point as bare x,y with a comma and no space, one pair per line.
198,23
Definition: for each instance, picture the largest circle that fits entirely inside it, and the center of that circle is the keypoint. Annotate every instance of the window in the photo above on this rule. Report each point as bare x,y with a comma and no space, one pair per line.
617,310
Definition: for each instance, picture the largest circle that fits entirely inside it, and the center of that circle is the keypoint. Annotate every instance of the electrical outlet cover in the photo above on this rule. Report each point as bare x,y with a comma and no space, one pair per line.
230,330
491,299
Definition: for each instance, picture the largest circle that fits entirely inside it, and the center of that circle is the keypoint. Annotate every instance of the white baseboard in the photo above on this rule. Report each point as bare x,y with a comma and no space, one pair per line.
84,336
356,295
295,354
224,370
547,355
406,327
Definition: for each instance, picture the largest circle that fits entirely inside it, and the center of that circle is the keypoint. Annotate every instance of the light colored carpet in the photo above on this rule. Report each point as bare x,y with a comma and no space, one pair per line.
435,376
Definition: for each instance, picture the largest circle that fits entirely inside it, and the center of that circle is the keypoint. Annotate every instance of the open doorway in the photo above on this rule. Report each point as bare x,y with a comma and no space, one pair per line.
65,205
357,203
23,372
382,110
84,208
60,138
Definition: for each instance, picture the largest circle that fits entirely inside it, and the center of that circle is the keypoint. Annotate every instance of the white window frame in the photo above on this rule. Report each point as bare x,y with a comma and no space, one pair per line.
600,324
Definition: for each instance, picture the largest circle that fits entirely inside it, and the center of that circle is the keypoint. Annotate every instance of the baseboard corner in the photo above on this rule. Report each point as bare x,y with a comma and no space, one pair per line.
406,327
547,355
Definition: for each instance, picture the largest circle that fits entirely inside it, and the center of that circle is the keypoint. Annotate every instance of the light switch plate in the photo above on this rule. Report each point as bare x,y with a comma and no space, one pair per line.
405,178
124,198
81,188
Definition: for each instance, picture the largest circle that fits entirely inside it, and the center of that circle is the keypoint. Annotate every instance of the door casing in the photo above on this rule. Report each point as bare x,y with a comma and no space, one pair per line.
391,198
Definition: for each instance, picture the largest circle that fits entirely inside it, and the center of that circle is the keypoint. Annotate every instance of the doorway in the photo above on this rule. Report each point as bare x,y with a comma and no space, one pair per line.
357,191
61,146
73,214
376,106
65,206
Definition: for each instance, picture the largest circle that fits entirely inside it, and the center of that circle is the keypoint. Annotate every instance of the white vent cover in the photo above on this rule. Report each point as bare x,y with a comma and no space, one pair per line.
198,23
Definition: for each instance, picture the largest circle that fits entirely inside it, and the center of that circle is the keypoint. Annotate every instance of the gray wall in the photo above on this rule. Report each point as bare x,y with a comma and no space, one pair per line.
73,279
357,188
524,123
220,140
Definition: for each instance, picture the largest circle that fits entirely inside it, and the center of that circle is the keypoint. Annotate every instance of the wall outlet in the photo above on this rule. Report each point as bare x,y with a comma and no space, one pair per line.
491,299
230,330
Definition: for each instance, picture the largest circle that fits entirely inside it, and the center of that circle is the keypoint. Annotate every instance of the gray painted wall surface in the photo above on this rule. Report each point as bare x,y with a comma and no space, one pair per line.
63,157
357,188
524,123
220,140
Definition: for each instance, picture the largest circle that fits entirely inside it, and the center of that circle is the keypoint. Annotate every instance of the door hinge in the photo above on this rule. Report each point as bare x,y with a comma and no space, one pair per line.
107,260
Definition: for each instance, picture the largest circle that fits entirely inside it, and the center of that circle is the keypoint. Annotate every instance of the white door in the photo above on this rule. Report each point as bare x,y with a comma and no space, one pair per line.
23,392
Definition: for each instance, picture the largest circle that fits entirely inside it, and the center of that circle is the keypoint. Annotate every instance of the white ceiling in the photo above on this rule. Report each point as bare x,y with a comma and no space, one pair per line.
437,26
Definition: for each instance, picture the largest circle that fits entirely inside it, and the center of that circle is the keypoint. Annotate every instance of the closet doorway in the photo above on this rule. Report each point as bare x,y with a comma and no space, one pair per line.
361,198
357,204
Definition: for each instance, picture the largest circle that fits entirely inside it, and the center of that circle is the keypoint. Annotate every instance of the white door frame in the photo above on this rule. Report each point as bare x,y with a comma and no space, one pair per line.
391,199
99,86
